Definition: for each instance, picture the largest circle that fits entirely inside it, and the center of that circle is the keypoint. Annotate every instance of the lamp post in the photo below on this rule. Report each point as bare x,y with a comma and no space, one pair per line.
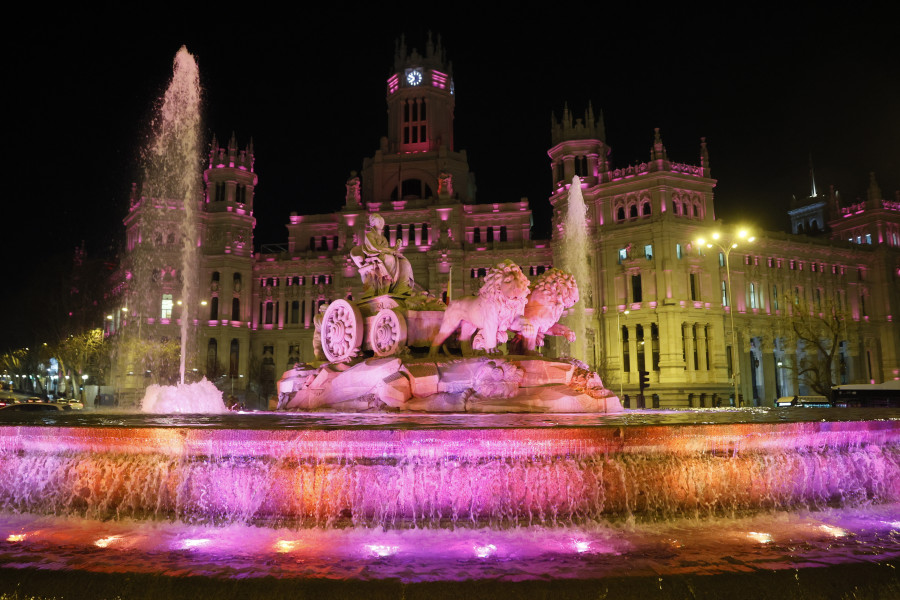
621,356
726,247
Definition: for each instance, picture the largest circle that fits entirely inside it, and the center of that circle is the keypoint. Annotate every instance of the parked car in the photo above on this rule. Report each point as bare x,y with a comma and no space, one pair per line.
32,407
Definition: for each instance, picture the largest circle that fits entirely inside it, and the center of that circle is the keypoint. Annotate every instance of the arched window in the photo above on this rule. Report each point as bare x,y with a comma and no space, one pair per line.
620,214
214,308
633,211
645,209
235,309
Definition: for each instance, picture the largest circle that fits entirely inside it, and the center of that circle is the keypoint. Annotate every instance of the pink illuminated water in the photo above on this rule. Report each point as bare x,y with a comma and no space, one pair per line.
508,498
174,173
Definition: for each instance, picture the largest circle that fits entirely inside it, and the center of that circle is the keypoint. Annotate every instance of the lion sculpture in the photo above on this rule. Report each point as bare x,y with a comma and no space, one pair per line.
552,293
499,303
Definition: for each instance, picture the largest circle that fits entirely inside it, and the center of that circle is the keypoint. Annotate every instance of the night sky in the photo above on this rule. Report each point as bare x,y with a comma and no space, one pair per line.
765,89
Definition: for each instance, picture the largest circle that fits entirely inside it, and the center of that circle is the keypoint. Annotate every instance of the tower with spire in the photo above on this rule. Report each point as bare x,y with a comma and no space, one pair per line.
419,146
809,215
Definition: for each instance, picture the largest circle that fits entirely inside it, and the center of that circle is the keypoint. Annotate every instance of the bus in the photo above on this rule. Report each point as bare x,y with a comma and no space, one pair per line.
856,395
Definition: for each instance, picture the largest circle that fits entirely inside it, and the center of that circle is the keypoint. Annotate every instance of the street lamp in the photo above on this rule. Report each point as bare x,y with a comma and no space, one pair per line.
84,379
621,356
726,247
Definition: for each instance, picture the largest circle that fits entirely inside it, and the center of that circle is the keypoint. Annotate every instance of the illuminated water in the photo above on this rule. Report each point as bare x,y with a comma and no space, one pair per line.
457,498
173,181
575,253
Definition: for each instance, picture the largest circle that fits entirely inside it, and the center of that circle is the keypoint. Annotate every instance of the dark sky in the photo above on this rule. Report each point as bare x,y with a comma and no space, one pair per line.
765,89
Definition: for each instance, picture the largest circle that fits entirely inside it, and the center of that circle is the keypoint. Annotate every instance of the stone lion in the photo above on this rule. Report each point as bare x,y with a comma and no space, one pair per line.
499,303
552,293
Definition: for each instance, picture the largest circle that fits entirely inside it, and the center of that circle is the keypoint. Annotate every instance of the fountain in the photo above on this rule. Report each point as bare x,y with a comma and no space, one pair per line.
174,173
474,502
575,260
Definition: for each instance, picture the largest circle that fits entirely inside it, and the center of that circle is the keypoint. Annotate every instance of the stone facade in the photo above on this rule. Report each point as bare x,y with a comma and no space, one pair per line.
259,311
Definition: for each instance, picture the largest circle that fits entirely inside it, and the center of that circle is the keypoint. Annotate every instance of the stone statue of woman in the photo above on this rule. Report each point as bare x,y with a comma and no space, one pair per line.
383,268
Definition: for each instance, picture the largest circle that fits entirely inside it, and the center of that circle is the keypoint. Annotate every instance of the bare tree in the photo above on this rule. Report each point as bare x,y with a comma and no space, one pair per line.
817,327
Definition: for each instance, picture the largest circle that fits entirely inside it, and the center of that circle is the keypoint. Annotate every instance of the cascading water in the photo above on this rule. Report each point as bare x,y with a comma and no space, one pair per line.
575,261
174,174
514,497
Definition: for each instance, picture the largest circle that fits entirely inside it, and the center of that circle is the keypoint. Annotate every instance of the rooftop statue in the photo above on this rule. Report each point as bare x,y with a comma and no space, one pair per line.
551,294
383,268
487,316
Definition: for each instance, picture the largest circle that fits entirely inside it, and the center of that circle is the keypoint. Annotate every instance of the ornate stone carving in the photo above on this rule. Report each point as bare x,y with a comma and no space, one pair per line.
383,268
552,293
342,331
388,332
500,301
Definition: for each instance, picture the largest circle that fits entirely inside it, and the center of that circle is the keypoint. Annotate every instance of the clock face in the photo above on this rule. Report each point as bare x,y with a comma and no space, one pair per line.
414,77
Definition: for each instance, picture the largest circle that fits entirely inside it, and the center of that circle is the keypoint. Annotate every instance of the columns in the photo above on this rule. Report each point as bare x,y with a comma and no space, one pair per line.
688,336
768,358
701,347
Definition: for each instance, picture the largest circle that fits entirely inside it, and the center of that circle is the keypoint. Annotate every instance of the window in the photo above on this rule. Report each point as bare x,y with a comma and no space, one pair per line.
678,251
214,308
648,251
724,293
654,345
476,236
626,356
633,211
753,296
166,306
623,254
695,289
775,296
620,214
295,312
490,234
645,209
868,238
721,259
636,292
503,234
235,309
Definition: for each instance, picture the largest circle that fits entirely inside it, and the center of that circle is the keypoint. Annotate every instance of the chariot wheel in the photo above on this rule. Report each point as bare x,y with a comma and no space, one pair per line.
388,332
342,331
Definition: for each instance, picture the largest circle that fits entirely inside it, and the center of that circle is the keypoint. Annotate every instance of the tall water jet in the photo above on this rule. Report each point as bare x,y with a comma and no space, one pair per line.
173,175
575,261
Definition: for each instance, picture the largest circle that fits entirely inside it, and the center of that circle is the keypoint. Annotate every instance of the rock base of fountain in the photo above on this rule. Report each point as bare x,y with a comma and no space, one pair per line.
184,398
478,385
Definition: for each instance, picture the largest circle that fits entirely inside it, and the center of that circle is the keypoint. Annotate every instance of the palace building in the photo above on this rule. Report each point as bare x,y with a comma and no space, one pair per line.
659,301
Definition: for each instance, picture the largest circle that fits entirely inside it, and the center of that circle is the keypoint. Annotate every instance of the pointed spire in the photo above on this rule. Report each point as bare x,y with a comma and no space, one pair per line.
874,192
704,157
812,178
658,151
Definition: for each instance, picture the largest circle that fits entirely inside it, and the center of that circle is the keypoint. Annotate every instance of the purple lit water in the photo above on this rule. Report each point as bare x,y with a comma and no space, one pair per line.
450,498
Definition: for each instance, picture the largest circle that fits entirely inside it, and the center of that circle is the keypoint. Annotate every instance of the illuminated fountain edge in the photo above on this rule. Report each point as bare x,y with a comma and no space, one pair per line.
446,477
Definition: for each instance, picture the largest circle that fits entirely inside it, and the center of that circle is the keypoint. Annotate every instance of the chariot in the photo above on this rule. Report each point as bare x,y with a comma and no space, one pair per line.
383,324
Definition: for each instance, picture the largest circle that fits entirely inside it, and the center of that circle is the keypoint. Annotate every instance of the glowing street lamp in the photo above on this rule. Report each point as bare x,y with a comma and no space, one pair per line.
726,246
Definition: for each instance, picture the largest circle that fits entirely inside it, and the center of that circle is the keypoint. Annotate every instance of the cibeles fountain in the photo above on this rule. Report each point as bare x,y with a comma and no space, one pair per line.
401,466
393,316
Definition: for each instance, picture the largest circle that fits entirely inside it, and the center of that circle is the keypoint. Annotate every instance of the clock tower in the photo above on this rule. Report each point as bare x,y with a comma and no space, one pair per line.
420,100
417,161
